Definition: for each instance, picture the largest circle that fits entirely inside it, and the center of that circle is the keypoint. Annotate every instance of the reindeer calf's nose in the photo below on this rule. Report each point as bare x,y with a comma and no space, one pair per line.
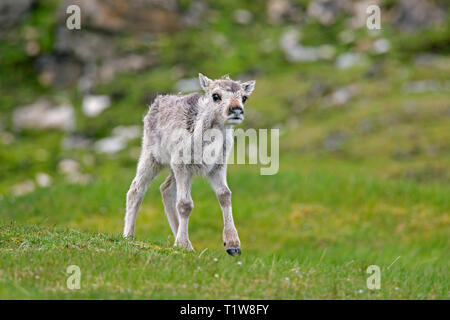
236,110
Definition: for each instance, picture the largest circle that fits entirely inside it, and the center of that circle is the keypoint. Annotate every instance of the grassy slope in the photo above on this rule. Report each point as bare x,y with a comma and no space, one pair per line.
331,222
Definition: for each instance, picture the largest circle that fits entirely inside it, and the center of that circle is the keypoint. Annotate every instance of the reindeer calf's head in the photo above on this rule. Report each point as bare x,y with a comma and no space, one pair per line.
227,97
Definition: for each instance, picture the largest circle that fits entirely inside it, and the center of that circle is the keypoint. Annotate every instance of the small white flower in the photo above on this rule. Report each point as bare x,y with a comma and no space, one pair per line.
239,263
36,276
216,275
199,268
215,259
361,291
396,288
195,285
286,279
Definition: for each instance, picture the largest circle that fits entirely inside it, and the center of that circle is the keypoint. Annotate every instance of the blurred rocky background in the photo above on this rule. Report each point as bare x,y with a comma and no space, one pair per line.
72,101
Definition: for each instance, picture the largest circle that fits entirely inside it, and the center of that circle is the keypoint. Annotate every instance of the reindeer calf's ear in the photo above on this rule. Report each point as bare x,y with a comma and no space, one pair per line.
249,86
204,81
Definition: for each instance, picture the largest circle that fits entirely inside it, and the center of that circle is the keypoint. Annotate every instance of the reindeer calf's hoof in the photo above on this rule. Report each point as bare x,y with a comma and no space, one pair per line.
234,251
186,244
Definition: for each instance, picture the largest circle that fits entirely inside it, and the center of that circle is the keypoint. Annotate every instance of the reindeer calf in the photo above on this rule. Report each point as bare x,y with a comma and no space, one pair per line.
219,108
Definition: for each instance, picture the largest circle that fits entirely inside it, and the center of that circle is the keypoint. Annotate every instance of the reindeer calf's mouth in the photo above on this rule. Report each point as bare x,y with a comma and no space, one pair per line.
236,115
235,119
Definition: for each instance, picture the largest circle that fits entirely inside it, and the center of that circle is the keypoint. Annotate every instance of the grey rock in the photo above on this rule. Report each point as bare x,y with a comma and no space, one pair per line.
129,62
135,16
23,188
12,12
127,133
86,46
349,59
280,11
43,180
242,16
294,51
414,15
121,135
71,171
326,11
193,17
342,95
359,14
110,145
432,59
58,69
93,105
68,166
381,46
44,115
73,142
96,53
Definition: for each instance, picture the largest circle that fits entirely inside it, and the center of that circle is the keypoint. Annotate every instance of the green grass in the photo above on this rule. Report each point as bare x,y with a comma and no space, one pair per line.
34,262
319,225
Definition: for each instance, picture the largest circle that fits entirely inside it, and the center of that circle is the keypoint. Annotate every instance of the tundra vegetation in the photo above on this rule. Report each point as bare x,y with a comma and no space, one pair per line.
363,177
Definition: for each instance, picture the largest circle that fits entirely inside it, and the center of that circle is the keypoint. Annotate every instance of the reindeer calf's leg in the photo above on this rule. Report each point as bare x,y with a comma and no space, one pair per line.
169,196
184,206
134,198
146,172
230,235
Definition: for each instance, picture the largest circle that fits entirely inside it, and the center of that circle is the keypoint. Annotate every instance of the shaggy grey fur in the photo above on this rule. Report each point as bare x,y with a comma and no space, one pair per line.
180,122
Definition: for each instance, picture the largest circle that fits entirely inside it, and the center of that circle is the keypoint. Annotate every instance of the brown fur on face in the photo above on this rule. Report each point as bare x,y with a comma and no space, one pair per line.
229,85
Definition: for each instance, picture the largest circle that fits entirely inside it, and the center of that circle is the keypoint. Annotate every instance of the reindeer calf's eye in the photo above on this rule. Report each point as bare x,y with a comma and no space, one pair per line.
216,97
244,98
